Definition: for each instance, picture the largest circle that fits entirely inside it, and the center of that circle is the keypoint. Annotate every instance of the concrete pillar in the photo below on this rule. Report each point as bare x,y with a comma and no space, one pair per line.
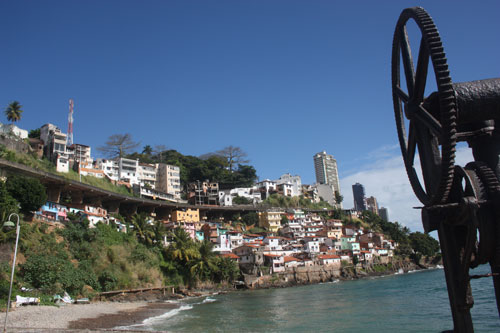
163,213
54,193
94,201
76,197
128,209
113,207
150,210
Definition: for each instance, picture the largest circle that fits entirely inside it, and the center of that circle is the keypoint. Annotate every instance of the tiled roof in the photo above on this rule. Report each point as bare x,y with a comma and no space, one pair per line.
328,256
272,255
230,255
290,259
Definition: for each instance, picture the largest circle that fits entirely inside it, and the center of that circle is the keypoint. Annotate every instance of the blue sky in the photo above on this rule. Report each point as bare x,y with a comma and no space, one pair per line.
281,79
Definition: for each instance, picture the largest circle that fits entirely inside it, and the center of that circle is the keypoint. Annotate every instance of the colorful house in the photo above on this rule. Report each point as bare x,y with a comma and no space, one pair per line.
53,211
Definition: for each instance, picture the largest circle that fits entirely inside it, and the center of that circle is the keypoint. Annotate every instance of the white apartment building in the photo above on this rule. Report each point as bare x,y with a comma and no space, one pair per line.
294,183
54,146
266,188
80,154
250,193
326,170
128,170
109,167
146,174
168,179
160,177
54,141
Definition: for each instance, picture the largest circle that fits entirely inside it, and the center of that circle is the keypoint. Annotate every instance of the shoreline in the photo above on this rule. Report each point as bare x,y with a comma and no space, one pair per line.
124,319
54,317
128,315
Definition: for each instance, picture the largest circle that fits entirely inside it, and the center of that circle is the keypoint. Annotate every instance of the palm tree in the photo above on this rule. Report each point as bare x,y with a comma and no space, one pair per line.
182,248
147,150
13,111
204,265
159,231
143,229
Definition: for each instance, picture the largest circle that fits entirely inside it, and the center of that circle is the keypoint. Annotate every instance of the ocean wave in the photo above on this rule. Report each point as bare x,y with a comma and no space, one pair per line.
171,301
153,320
167,314
208,300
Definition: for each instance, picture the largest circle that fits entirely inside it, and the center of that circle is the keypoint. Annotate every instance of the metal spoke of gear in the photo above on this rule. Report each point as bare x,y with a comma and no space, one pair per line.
440,131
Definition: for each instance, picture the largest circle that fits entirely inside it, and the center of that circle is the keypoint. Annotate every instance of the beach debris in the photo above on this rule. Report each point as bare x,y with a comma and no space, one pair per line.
21,300
66,299
82,301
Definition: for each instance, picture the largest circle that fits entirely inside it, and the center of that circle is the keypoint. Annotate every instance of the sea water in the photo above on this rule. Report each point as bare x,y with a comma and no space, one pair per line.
410,302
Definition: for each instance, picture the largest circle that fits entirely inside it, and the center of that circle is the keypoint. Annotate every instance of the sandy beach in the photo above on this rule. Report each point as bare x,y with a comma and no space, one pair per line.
101,315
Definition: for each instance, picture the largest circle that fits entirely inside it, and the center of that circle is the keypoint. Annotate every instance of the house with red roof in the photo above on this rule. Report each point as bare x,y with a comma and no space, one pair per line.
329,260
291,262
231,256
250,254
275,261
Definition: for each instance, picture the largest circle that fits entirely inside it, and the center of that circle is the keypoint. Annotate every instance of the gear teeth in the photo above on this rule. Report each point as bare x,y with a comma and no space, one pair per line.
447,102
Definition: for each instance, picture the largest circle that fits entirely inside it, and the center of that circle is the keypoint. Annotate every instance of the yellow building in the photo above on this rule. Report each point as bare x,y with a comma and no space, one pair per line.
270,220
190,215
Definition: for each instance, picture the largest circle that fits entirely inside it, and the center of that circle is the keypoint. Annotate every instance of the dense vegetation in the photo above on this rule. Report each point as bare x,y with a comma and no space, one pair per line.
214,168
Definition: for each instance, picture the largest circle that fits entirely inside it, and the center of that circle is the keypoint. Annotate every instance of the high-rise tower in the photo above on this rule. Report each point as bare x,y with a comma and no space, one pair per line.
326,170
358,192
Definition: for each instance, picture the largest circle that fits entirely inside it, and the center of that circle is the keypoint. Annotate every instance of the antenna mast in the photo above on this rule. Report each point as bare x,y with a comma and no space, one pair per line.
70,123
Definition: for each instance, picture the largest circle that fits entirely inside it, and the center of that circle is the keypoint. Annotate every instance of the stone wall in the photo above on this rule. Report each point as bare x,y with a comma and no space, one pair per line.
295,276
14,144
318,273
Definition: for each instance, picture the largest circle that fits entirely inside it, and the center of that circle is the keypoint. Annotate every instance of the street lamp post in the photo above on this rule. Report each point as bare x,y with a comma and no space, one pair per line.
10,224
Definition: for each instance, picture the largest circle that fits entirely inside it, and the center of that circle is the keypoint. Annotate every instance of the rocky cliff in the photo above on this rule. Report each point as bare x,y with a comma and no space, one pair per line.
317,273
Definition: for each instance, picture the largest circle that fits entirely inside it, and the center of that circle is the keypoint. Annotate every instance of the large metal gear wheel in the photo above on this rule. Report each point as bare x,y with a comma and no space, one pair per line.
432,134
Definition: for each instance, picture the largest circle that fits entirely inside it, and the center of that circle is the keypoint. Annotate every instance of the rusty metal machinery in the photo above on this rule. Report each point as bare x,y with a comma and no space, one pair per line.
461,203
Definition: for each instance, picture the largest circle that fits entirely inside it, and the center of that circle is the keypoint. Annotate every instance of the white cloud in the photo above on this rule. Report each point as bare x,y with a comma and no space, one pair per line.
386,179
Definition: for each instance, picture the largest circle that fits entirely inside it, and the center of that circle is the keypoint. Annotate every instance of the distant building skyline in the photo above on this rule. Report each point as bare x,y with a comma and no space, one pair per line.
372,205
325,167
384,214
358,193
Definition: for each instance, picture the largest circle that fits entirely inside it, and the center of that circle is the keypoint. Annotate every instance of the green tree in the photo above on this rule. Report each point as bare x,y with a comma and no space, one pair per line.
143,229
284,219
241,201
424,244
203,267
250,218
159,231
29,192
338,197
227,270
182,247
147,150
13,111
8,204
34,133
